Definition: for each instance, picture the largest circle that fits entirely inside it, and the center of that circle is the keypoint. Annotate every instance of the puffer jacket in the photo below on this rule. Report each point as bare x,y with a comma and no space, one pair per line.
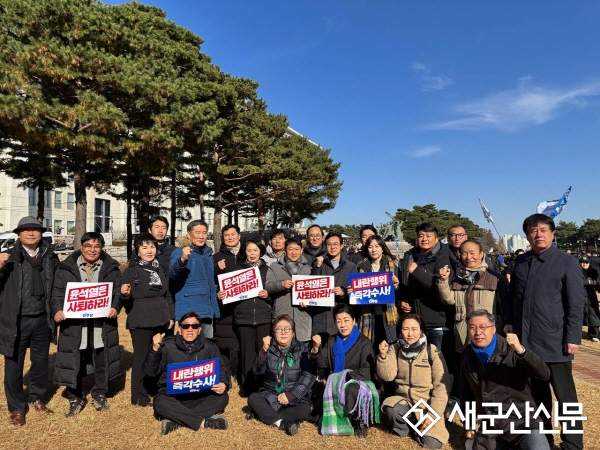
487,290
282,298
11,283
174,350
256,310
418,379
419,288
194,283
299,378
68,356
147,307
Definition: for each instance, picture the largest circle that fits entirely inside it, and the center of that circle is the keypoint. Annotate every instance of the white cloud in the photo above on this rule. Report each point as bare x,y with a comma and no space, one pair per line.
525,106
426,151
428,81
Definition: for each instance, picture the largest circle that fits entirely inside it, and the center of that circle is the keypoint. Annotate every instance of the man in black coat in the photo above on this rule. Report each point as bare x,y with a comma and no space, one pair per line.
194,410
158,227
26,278
365,232
93,340
545,309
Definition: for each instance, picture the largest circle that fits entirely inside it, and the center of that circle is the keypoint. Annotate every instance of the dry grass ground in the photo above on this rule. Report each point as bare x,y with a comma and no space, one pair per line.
125,426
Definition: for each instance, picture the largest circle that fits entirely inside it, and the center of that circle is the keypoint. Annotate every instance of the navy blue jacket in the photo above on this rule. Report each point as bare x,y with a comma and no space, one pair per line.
546,301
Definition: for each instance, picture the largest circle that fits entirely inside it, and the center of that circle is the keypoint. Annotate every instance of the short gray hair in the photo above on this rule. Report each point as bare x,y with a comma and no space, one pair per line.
481,313
194,223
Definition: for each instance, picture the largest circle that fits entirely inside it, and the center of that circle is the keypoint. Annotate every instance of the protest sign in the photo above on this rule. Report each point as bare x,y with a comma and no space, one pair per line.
240,285
87,300
192,376
313,290
371,288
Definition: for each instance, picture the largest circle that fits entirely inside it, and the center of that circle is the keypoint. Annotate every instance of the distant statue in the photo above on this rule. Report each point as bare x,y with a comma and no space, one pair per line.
394,228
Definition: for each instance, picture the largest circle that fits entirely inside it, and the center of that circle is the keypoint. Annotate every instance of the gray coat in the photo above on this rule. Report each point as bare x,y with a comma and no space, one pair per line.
282,298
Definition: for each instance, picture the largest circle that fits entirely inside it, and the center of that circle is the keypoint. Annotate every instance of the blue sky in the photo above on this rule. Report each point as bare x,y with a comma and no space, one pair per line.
426,102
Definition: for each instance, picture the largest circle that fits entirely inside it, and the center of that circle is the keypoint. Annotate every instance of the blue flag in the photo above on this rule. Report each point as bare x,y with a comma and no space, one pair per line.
553,208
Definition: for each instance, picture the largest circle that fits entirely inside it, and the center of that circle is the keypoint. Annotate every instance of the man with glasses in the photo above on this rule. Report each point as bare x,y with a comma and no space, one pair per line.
457,234
26,279
275,248
83,340
493,370
314,246
332,264
194,410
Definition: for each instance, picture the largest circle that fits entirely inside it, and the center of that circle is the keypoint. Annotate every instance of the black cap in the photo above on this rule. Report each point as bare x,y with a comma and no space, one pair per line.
29,222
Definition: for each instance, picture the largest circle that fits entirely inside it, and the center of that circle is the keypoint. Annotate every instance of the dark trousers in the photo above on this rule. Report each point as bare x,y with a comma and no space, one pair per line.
444,341
142,386
33,333
351,398
266,414
401,428
561,380
251,341
97,356
190,412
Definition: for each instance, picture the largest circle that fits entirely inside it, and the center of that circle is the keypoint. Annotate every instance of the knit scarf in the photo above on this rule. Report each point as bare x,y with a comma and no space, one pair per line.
152,268
254,264
292,267
410,351
485,354
286,358
367,320
235,250
341,346
335,422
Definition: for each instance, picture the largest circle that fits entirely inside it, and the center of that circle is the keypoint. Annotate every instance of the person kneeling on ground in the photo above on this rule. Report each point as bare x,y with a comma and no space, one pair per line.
350,401
419,373
194,410
284,399
497,369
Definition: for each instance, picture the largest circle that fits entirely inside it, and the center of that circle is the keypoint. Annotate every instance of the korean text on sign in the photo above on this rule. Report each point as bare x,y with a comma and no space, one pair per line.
87,300
313,290
371,288
192,376
240,285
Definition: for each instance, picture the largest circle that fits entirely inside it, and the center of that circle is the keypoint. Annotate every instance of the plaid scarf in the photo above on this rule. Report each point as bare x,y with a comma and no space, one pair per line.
335,422
366,320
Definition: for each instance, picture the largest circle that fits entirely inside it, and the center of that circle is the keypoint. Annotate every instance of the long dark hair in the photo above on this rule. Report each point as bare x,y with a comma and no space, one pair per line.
379,240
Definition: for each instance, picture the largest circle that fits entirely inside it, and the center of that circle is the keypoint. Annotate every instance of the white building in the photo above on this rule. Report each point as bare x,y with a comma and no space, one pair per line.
514,242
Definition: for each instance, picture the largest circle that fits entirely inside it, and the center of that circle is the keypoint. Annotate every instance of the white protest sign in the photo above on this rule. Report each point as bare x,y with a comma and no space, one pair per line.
87,300
240,285
313,290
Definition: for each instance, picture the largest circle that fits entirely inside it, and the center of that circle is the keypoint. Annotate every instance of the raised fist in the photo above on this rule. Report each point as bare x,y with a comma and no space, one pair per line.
4,257
156,340
267,343
125,290
383,349
316,341
185,253
444,273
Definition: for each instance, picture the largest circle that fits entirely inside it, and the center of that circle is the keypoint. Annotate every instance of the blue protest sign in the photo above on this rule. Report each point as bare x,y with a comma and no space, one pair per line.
192,376
371,288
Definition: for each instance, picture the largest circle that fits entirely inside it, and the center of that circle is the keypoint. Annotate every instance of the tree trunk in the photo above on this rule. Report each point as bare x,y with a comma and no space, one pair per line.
261,219
201,179
41,185
218,211
144,207
274,224
236,215
79,182
128,201
173,206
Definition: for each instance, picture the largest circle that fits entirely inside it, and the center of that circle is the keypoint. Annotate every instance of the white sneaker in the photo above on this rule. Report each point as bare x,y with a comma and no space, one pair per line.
595,340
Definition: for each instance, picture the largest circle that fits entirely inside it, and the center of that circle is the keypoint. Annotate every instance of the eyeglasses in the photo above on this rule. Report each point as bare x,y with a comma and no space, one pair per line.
482,328
457,235
187,326
280,330
90,247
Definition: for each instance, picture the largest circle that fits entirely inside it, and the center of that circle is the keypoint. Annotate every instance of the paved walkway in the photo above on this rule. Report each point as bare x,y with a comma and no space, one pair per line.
586,365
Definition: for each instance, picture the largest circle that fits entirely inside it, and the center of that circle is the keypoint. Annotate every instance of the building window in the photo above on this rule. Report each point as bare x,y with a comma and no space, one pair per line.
70,226
31,197
71,201
102,216
48,199
57,199
47,224
58,229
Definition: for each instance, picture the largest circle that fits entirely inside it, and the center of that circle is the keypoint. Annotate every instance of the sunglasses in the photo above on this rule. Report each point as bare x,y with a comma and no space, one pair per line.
186,326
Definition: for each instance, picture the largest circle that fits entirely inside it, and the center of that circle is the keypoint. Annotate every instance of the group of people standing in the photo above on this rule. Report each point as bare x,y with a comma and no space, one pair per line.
457,330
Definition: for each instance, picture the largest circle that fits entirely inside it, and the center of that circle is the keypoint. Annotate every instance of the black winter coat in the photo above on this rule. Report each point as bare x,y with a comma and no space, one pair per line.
359,358
504,379
68,359
163,255
323,321
11,283
173,350
299,378
223,332
147,307
591,312
420,290
256,310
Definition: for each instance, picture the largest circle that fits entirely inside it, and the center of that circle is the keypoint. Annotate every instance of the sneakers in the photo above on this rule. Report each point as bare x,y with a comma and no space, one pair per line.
361,430
291,428
100,403
167,426
216,422
75,407
595,340
250,415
